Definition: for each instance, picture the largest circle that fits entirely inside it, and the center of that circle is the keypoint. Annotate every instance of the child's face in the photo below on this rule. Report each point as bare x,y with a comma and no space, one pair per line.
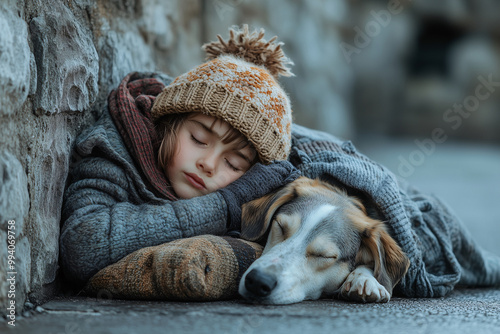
203,163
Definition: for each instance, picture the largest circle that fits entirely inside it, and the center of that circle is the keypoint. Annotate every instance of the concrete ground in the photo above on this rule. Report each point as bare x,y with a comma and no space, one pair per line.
467,177
465,311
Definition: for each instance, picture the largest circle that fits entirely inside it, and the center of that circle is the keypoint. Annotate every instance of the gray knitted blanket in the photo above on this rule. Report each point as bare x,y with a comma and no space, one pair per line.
441,250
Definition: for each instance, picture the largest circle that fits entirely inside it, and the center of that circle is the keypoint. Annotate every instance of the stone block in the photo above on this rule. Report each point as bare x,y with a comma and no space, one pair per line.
48,171
67,62
122,53
14,61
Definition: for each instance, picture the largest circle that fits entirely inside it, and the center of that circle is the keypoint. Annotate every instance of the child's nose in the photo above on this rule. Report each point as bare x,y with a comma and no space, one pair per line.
207,164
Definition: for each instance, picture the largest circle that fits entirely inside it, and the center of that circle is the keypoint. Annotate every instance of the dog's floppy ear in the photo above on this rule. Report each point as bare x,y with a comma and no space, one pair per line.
390,262
256,215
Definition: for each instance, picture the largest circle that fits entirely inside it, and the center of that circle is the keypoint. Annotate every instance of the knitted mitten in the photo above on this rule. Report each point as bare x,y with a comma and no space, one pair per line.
256,182
200,268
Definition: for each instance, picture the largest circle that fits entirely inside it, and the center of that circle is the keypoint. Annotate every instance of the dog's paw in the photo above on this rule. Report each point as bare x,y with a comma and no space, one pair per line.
361,286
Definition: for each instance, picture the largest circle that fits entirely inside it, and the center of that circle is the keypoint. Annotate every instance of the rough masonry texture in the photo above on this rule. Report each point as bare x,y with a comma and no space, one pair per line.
15,61
58,62
67,62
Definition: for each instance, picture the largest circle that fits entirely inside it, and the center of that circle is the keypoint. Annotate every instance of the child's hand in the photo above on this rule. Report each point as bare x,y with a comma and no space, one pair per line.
256,182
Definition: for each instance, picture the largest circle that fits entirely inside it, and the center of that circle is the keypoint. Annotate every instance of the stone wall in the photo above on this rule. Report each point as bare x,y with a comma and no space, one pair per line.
58,62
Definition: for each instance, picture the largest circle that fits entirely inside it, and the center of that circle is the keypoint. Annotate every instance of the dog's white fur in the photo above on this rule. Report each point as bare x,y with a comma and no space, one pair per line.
361,285
320,243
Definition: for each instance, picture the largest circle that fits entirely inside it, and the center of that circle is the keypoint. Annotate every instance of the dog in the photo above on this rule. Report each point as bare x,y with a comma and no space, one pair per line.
320,243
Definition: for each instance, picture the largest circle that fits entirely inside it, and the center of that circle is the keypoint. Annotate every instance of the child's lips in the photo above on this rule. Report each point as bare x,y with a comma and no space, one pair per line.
196,181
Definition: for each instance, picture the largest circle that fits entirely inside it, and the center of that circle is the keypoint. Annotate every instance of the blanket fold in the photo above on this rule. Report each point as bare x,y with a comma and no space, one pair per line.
441,250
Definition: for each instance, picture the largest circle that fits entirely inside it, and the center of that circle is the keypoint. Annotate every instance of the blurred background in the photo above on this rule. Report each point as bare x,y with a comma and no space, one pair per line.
376,67
414,84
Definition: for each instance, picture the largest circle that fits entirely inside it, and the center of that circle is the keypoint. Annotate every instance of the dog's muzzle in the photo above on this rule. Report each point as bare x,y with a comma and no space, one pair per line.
259,283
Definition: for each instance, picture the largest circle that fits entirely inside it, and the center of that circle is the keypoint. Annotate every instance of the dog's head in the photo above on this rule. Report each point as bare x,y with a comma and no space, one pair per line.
317,235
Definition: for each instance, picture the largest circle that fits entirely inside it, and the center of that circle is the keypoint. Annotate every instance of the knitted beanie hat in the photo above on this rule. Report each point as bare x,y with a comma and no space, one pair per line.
238,85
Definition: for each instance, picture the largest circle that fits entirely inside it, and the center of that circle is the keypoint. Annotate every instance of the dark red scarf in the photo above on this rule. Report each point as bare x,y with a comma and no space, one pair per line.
130,107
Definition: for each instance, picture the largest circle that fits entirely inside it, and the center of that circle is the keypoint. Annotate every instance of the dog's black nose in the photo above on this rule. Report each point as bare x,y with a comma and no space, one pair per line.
260,283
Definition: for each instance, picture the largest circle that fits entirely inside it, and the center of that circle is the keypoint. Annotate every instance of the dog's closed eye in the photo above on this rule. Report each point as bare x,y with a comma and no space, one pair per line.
281,226
320,260
280,229
321,256
323,250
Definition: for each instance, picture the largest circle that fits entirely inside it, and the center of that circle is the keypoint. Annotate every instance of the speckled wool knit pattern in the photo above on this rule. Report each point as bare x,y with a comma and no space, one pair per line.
201,268
441,251
243,94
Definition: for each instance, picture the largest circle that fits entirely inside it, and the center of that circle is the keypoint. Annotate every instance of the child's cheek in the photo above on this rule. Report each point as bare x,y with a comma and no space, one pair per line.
224,179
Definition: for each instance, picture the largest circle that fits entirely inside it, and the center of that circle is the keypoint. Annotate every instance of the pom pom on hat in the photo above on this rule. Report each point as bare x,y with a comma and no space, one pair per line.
252,47
238,85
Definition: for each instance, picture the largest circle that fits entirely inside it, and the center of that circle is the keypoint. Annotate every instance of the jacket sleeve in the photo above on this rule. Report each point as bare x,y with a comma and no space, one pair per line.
105,219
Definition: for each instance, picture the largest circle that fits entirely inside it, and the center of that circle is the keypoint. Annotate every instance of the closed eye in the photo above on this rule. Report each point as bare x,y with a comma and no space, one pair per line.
279,228
193,138
322,256
282,229
231,166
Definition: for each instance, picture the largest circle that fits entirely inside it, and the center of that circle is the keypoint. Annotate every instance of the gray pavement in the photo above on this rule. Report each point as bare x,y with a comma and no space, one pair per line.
465,311
467,177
